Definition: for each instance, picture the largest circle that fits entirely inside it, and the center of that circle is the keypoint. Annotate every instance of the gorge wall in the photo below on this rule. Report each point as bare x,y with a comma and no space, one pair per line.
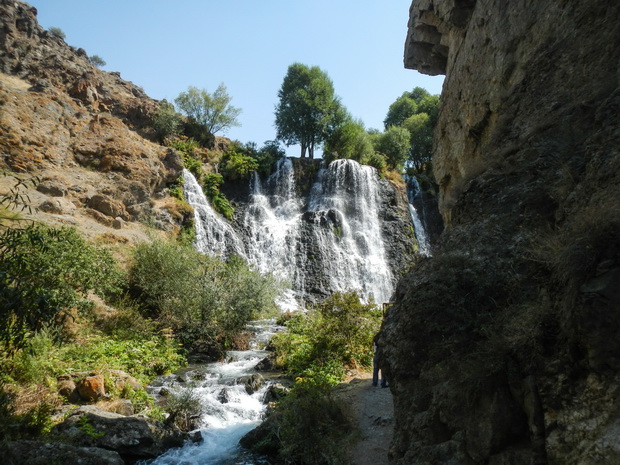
502,348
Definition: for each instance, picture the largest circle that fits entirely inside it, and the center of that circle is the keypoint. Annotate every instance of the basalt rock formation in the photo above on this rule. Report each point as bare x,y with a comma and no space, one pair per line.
502,348
81,131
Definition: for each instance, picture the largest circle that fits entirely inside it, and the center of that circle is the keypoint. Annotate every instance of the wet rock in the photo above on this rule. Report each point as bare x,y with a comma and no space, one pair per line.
254,383
195,436
275,392
265,364
223,396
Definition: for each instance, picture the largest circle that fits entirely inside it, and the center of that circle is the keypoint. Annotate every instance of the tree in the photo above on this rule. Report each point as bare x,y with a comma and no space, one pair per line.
308,108
97,61
213,111
348,140
394,144
417,112
400,110
421,129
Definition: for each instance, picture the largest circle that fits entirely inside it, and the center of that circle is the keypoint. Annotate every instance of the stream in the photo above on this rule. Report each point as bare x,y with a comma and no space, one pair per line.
229,412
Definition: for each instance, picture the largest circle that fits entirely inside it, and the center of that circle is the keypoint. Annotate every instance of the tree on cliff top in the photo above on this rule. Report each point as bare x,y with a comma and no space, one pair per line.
416,111
213,111
307,109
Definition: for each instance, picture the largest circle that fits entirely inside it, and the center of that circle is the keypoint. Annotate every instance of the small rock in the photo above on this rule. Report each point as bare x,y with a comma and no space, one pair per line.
223,396
68,390
265,364
51,206
53,188
91,388
118,223
275,392
254,383
194,436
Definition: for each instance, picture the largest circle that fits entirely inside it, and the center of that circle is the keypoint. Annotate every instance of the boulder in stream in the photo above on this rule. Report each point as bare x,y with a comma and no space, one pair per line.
132,437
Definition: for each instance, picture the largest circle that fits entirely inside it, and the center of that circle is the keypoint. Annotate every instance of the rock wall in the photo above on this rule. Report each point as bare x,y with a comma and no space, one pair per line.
502,348
81,131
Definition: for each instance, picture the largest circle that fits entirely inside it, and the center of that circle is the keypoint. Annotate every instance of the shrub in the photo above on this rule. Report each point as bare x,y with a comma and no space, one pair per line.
320,344
97,61
203,299
313,428
220,203
238,166
185,408
44,273
167,121
57,32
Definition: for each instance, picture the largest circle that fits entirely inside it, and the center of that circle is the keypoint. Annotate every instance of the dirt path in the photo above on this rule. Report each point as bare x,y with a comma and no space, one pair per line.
372,410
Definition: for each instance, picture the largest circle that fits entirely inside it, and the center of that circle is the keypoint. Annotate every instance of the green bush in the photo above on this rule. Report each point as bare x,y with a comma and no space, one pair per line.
56,31
220,203
203,299
238,166
188,148
44,273
43,359
320,344
167,121
313,428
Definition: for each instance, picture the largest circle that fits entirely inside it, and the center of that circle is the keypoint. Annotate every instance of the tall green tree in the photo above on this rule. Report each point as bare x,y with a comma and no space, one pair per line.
417,112
308,108
348,140
394,144
213,111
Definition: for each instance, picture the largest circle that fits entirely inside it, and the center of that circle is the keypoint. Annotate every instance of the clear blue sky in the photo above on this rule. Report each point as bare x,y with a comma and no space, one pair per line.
164,46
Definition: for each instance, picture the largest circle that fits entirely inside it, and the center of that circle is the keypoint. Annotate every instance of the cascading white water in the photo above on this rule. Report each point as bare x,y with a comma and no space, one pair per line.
226,418
413,189
272,221
351,249
214,236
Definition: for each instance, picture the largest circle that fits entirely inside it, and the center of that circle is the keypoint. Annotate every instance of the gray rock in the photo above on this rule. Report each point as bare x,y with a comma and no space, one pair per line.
53,188
132,437
42,453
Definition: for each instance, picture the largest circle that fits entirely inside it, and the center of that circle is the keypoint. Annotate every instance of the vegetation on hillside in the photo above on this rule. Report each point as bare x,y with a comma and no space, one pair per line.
144,321
212,111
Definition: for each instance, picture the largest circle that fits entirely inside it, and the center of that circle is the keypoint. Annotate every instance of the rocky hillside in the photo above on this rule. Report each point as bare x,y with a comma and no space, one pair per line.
503,348
82,131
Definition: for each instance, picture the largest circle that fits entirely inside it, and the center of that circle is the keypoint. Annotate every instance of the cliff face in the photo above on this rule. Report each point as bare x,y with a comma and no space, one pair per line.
503,347
80,130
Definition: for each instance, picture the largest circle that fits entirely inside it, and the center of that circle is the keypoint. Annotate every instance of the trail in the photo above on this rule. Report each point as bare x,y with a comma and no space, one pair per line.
371,411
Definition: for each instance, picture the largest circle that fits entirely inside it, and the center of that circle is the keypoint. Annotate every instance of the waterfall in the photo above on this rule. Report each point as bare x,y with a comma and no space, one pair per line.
214,236
334,243
413,190
345,213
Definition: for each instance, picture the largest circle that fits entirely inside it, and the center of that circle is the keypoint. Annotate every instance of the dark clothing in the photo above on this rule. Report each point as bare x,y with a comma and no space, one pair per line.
376,368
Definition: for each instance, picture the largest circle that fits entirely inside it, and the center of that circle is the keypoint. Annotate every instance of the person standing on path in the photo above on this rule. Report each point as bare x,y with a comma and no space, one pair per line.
375,366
